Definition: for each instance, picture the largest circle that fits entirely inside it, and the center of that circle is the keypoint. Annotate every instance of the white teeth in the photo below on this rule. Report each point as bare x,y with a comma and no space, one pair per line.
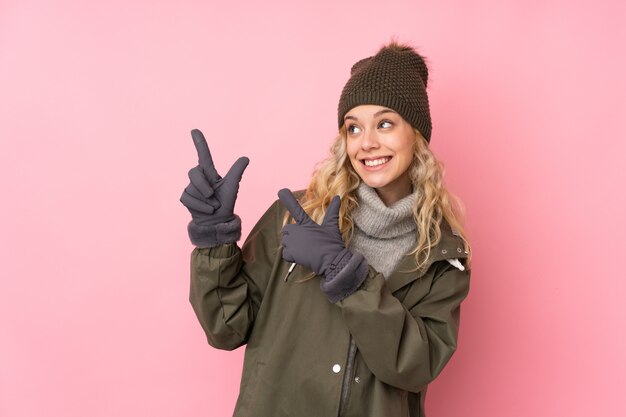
376,162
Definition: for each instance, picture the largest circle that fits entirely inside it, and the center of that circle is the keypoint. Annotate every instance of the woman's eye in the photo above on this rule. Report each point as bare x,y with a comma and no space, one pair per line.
385,124
352,129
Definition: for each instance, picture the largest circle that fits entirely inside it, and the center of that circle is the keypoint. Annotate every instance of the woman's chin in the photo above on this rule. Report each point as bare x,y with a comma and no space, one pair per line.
373,182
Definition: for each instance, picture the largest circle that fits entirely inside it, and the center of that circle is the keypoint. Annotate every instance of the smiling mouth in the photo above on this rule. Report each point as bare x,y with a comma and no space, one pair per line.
376,162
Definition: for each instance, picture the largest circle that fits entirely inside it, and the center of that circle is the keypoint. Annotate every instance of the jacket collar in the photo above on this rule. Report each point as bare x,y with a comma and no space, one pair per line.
450,246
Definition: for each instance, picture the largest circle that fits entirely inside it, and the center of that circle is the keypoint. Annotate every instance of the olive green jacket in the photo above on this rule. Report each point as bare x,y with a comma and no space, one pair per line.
405,327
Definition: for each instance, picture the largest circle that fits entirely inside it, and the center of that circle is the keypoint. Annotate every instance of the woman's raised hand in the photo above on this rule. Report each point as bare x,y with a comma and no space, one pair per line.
210,198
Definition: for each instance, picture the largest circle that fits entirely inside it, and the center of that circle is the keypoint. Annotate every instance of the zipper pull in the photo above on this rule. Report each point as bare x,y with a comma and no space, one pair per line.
293,265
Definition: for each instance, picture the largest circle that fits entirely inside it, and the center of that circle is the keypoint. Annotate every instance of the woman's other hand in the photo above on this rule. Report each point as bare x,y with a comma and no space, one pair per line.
321,248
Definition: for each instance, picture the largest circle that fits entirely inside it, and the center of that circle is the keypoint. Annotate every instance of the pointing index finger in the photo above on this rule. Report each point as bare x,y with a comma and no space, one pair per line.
289,201
204,156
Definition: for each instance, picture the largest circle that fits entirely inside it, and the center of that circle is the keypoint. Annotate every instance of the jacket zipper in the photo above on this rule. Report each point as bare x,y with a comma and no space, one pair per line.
345,386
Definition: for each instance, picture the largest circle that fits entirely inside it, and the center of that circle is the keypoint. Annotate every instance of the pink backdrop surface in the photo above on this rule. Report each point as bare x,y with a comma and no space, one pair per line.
96,104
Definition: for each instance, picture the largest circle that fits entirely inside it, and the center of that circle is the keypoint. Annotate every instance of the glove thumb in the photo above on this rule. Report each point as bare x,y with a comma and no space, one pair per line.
236,171
331,217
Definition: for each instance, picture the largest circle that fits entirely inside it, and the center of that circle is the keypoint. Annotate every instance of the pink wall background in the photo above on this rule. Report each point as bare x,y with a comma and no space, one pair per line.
96,105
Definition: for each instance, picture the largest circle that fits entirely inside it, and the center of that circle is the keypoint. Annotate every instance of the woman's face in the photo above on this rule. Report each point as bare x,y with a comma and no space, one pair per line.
380,148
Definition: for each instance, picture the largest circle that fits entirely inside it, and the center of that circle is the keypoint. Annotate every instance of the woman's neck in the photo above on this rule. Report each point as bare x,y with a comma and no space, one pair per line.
390,195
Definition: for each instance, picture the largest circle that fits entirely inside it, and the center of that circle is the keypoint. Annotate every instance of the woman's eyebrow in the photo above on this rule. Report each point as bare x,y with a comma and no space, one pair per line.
378,113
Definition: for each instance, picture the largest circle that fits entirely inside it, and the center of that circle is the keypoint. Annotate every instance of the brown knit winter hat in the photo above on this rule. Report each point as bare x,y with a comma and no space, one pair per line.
396,77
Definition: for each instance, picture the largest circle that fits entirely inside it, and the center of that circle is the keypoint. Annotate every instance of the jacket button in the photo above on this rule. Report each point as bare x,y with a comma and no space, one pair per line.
459,250
444,251
357,379
336,368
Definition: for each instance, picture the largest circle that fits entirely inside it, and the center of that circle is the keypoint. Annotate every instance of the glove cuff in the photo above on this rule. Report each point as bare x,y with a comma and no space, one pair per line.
214,235
344,276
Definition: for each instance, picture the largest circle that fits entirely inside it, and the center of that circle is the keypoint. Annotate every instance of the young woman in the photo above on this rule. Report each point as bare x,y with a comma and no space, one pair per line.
348,294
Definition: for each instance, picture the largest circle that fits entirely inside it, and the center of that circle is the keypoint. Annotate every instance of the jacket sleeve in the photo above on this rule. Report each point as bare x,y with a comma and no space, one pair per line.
227,283
407,344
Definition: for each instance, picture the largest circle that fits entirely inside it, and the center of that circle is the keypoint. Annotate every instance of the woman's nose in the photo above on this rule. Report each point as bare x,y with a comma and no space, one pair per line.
370,140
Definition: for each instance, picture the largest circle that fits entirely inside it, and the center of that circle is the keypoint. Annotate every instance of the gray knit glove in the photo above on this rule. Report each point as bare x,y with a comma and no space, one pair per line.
321,249
211,199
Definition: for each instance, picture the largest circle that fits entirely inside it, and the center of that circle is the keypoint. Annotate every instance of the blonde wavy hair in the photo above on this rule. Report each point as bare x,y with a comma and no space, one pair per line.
434,203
